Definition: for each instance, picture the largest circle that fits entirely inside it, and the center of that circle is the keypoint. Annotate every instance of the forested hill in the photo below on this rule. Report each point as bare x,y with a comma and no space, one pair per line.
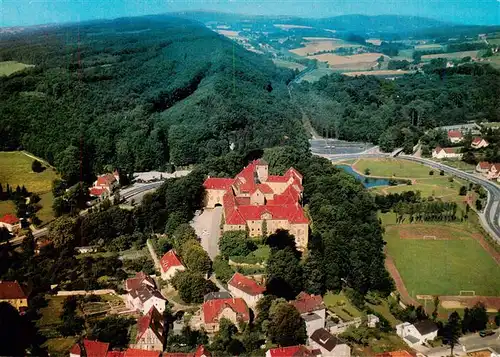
137,93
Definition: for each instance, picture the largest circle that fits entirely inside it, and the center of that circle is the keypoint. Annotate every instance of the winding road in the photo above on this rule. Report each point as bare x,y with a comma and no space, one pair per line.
491,214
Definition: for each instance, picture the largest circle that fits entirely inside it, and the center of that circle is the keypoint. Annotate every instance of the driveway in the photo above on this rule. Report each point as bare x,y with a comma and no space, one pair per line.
207,227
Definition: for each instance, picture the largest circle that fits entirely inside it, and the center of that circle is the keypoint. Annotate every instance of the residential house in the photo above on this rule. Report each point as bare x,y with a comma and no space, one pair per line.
417,333
13,293
234,309
150,331
312,309
10,222
115,354
328,344
246,288
144,298
201,351
483,352
479,143
494,172
135,352
446,153
371,321
291,351
90,349
455,136
259,202
138,280
105,185
483,167
170,265
217,295
402,353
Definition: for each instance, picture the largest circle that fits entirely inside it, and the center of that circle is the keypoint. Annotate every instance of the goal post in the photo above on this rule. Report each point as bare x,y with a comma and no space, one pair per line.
467,293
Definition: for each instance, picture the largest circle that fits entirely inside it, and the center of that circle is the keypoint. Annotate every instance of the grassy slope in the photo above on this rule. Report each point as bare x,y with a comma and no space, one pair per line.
9,67
7,207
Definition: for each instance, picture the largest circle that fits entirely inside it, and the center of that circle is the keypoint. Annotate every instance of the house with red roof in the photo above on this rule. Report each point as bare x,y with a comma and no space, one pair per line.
455,136
244,287
312,310
13,293
170,264
150,331
479,143
259,202
290,351
138,280
90,349
483,167
201,351
105,185
233,309
402,353
135,352
10,221
115,354
494,172
144,297
446,153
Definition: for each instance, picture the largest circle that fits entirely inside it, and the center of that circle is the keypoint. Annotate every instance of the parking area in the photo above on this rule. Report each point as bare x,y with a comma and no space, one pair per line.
207,227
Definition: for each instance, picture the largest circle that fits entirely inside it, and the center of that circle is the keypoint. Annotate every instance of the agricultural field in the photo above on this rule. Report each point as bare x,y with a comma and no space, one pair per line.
317,44
383,73
289,64
392,168
288,26
316,74
442,258
359,62
9,67
429,47
451,56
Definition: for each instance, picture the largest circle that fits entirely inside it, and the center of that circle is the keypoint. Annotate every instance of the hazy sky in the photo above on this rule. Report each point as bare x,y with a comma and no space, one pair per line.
30,12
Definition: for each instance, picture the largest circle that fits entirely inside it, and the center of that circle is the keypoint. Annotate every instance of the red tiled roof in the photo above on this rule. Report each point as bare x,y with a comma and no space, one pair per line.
152,320
139,279
105,180
246,284
438,149
484,165
169,260
454,134
307,303
476,140
201,351
291,171
11,290
92,348
291,351
214,183
9,219
395,354
495,166
213,308
133,352
97,191
115,354
275,178
290,212
264,188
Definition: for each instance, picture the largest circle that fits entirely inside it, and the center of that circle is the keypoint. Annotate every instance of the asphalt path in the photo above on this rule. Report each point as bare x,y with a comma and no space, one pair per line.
491,214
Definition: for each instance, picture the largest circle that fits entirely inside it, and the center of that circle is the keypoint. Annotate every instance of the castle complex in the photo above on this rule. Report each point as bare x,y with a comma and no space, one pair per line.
260,203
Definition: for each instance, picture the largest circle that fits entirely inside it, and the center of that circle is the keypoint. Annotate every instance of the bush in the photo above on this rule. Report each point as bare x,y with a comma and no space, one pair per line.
441,173
36,166
431,172
222,269
462,191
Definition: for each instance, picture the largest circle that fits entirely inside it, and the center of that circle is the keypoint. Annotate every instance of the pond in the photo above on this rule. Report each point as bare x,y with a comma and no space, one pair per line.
366,181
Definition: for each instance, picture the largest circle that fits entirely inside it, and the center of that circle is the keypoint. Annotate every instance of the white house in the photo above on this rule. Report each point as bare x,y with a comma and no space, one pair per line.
150,332
455,136
105,185
312,309
170,265
483,167
144,298
494,172
138,280
479,143
328,344
445,153
10,222
417,333
246,288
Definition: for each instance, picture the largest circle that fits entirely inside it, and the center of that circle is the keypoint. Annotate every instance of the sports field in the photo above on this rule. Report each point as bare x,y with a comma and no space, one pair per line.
392,168
9,67
441,258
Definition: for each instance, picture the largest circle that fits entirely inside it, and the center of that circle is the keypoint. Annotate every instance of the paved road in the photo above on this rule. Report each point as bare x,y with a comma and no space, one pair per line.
207,227
470,342
36,234
489,217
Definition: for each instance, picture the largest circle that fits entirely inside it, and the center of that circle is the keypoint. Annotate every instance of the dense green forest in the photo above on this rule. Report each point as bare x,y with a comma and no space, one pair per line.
140,93
395,113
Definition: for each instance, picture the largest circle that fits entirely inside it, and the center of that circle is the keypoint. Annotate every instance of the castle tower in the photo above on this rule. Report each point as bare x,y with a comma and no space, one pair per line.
262,169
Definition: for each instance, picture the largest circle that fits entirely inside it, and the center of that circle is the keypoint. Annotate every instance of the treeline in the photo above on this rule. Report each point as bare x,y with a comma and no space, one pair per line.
396,113
138,94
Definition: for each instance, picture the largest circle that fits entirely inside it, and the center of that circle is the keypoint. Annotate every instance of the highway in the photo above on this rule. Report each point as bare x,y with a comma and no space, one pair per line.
489,218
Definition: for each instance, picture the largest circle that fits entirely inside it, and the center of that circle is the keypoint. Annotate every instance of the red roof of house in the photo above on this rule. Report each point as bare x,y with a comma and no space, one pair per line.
246,284
115,354
214,183
454,134
476,140
495,166
139,279
92,348
213,308
484,165
105,180
276,178
291,351
152,320
307,303
9,219
133,352
395,354
97,191
11,290
169,260
446,150
201,351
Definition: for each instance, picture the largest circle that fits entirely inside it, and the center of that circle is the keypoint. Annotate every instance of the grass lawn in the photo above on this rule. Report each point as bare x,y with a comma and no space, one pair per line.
15,169
340,305
383,309
50,315
459,164
392,168
59,346
387,342
289,64
262,252
45,213
9,67
442,267
7,207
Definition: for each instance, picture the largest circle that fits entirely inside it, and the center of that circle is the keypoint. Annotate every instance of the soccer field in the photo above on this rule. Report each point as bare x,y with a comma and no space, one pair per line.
442,259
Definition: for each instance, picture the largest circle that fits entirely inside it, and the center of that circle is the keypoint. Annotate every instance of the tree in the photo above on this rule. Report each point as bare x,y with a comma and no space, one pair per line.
192,286
479,205
235,243
224,337
452,330
479,317
175,219
12,331
62,231
183,233
28,245
112,329
436,308
315,282
463,191
431,172
36,166
497,318
222,269
68,164
196,258
284,273
286,326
